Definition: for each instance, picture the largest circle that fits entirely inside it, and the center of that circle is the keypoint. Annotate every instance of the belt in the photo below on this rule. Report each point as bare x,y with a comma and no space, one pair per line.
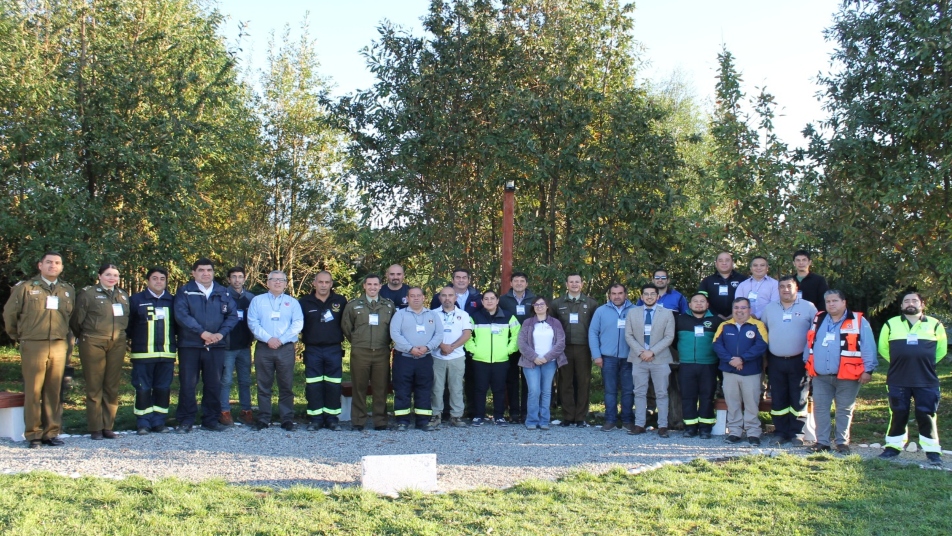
796,356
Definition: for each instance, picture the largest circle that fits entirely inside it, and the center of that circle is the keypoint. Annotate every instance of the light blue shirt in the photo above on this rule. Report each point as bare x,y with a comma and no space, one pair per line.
279,317
826,359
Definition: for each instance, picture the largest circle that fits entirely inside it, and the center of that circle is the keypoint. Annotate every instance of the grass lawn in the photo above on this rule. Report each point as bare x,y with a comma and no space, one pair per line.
753,495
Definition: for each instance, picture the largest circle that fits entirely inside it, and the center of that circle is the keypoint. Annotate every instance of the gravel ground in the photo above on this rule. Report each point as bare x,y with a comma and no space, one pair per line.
488,456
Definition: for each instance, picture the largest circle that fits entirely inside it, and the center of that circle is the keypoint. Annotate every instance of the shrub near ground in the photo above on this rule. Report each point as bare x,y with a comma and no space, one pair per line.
753,495
869,423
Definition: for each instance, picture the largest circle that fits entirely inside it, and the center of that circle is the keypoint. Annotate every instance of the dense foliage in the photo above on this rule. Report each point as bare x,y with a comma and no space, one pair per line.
127,134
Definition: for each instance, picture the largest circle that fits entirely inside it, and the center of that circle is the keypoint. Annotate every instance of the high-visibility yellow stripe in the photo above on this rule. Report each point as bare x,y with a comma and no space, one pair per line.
707,421
424,412
401,412
691,422
332,411
779,412
314,379
137,411
331,380
157,409
148,355
314,412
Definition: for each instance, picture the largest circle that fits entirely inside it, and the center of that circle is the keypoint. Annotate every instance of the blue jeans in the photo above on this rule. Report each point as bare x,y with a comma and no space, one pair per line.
240,361
539,380
615,369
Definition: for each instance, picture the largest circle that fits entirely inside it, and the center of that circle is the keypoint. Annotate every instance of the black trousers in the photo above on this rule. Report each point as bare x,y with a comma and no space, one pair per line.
412,378
207,363
698,383
486,376
789,387
517,390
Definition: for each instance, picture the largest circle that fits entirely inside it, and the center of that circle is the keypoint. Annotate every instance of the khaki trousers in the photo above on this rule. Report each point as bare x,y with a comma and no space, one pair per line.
42,363
369,366
102,369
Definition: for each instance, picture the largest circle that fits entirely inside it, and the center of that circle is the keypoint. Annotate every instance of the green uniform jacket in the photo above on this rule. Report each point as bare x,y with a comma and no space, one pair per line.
357,327
563,308
495,337
97,313
26,316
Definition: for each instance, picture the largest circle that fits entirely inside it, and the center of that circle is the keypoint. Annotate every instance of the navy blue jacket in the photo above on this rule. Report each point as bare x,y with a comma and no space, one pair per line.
194,314
748,342
151,330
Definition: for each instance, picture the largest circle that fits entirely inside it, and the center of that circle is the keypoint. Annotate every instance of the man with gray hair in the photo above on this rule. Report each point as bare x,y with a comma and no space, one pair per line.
275,319
840,357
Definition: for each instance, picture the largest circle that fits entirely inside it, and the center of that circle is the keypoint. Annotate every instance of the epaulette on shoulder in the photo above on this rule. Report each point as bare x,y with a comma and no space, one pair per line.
19,283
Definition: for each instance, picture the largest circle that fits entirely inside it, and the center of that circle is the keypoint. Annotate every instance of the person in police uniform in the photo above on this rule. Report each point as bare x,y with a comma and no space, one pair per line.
37,316
100,319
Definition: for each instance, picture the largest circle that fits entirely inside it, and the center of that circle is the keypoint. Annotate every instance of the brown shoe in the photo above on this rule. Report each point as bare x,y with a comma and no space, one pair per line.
636,430
609,426
246,416
629,426
226,419
662,432
96,436
108,434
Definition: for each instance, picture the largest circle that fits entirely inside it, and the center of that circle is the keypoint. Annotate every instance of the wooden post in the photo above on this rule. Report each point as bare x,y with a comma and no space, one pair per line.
508,222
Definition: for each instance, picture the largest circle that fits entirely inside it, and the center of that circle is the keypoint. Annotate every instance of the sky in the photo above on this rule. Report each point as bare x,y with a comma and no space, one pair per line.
776,45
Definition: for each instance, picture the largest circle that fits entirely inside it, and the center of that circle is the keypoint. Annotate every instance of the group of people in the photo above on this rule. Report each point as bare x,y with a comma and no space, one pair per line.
445,358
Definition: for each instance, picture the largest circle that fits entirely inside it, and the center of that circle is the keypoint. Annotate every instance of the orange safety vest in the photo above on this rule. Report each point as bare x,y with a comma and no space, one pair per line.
851,360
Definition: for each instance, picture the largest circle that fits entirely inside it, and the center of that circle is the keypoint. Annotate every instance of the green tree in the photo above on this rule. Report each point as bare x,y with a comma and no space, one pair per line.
749,177
542,93
301,170
884,152
125,135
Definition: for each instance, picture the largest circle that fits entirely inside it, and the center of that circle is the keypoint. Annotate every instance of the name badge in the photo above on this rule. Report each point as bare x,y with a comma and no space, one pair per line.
912,338
621,323
241,314
647,329
520,309
374,319
275,315
787,317
420,329
328,316
698,331
52,302
117,309
722,290
160,313
573,318
752,296
828,339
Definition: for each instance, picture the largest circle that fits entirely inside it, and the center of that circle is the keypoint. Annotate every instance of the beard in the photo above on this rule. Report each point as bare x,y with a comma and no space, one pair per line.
911,310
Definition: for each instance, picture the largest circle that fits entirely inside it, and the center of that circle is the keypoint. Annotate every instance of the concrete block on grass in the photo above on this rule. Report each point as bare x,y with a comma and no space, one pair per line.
389,475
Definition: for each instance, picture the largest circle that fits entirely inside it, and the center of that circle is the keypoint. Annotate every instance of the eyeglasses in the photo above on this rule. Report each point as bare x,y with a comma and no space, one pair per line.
278,280
538,305
663,277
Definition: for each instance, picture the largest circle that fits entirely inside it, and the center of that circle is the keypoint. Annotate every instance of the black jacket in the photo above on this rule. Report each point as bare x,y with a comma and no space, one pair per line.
320,329
240,337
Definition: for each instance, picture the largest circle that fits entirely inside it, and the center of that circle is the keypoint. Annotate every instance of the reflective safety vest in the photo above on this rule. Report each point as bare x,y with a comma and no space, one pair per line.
851,359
